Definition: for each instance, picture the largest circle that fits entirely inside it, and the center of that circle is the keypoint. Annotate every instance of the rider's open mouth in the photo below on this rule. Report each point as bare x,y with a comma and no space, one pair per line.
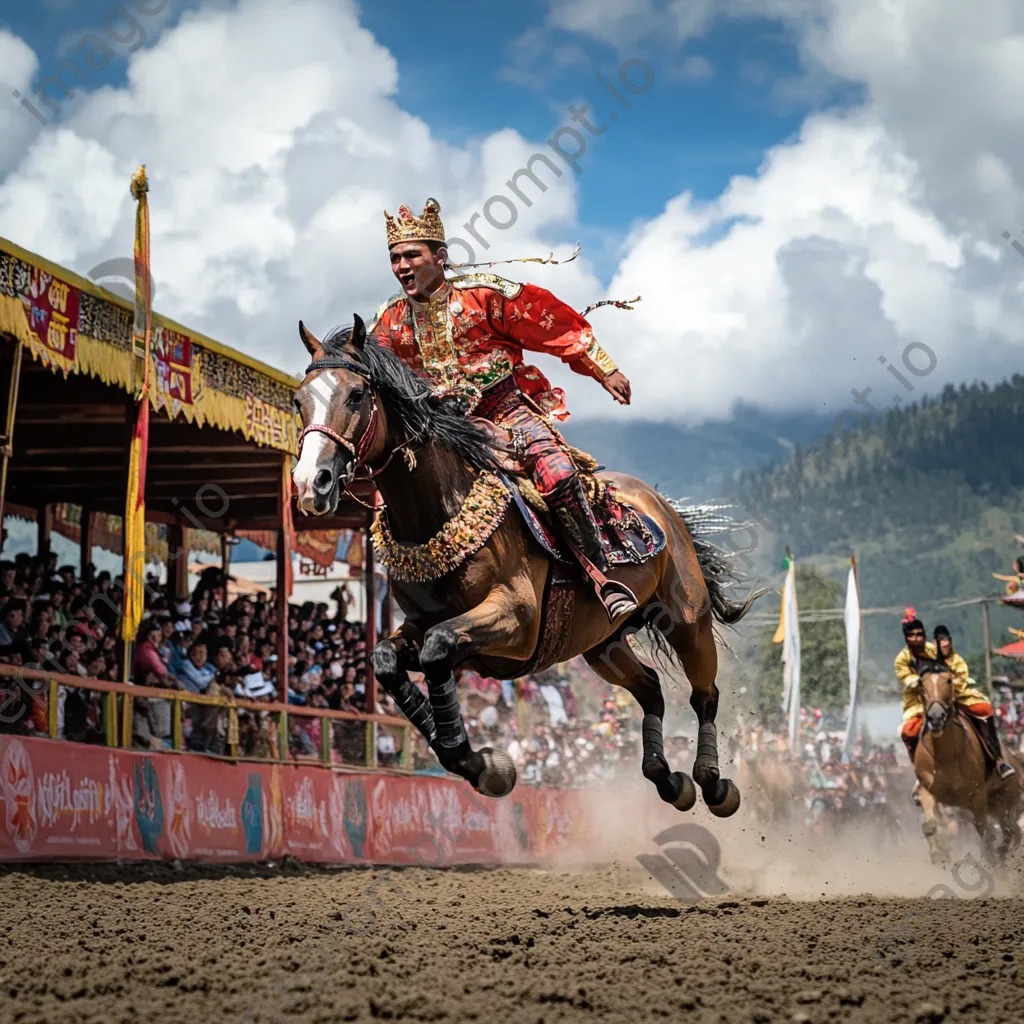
407,279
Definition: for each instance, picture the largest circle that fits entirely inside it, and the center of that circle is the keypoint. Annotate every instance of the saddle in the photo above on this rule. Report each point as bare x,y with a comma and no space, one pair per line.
627,536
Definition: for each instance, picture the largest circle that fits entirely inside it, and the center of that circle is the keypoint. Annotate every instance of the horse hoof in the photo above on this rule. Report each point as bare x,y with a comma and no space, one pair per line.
687,795
498,777
728,803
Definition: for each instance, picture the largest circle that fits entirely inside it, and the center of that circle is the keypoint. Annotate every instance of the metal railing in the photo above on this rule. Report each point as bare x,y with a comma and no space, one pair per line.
118,707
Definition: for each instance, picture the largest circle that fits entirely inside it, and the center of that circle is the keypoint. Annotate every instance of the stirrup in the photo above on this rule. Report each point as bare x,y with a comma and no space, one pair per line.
618,599
1005,770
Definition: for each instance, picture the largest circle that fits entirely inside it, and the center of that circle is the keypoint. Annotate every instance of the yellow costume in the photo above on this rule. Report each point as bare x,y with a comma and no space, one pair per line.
964,688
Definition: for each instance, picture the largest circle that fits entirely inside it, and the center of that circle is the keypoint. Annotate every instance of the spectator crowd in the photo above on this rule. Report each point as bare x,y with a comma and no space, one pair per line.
55,620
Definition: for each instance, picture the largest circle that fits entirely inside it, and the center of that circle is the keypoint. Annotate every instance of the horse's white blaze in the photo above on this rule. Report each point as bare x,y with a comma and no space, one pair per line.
313,446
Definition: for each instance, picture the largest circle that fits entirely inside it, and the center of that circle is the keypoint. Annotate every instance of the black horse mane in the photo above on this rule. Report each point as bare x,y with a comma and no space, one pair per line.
410,399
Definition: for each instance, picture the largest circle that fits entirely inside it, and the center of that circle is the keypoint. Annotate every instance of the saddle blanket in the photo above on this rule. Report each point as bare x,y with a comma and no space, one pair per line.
628,536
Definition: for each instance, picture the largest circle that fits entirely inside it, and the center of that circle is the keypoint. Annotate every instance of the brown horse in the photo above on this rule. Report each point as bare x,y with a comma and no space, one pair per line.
950,764
483,605
776,785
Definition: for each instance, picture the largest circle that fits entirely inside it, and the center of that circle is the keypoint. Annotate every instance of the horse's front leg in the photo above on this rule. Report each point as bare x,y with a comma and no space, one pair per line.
489,627
393,658
930,826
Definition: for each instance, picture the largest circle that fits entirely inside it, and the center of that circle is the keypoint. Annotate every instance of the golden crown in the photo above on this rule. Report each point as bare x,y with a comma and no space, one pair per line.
405,227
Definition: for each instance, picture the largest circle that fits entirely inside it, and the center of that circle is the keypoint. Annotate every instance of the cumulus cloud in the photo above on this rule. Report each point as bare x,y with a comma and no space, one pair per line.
875,227
270,169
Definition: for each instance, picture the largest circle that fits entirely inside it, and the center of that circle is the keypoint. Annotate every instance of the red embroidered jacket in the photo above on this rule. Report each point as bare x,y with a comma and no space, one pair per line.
472,333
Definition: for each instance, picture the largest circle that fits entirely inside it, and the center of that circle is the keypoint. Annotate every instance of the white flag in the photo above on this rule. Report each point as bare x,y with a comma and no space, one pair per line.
852,617
791,658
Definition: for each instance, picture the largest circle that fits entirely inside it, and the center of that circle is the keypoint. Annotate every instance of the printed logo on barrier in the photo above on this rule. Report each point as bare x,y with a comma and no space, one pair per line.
252,814
355,815
337,816
180,828
149,805
19,789
687,866
119,787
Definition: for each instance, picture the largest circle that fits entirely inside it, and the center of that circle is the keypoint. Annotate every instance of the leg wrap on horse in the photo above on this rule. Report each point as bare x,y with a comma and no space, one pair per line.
651,731
444,701
705,767
411,702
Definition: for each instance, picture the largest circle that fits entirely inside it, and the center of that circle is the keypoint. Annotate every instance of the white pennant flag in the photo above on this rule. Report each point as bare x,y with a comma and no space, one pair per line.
791,658
852,617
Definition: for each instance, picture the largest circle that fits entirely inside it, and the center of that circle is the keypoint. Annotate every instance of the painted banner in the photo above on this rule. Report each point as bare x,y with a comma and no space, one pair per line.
52,313
64,801
268,425
319,546
174,377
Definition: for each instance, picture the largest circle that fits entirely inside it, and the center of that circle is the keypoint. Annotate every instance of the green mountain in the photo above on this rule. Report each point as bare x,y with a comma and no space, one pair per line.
928,498
694,461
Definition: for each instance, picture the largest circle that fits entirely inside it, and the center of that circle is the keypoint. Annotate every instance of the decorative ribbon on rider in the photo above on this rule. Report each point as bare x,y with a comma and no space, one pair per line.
549,259
463,535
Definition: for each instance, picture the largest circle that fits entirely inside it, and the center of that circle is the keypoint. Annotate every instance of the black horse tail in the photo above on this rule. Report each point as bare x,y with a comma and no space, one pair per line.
716,563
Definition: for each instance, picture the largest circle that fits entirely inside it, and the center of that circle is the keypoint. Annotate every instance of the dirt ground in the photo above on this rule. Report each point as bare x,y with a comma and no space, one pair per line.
156,944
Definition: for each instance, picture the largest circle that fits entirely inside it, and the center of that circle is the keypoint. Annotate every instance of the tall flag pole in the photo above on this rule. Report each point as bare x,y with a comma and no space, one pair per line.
854,632
135,504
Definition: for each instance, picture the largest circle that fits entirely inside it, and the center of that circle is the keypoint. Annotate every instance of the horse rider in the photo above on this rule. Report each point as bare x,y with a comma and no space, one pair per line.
467,335
971,699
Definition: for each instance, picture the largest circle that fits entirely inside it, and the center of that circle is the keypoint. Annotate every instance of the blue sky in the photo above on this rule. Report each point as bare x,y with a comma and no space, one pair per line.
469,76
795,195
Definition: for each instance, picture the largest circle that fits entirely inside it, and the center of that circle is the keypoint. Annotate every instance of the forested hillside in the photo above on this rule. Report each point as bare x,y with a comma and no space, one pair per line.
928,499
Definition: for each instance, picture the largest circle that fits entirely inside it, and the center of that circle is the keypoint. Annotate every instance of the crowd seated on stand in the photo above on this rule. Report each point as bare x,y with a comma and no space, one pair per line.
53,618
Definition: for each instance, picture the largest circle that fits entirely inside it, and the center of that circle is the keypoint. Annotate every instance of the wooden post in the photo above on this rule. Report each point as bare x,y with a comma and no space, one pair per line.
85,542
326,734
387,612
52,703
44,526
371,642
283,554
988,648
7,440
177,560
225,565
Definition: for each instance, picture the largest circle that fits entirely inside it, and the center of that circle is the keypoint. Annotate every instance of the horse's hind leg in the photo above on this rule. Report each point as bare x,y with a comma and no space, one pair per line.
694,644
616,663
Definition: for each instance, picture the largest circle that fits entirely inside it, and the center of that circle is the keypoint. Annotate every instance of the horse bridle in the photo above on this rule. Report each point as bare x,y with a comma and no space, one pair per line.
366,442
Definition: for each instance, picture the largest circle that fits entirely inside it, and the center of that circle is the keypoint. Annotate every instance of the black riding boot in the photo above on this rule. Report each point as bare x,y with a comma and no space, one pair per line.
1004,769
575,518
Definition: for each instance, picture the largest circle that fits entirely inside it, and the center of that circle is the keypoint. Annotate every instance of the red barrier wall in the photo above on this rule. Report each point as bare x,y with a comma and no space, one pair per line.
63,801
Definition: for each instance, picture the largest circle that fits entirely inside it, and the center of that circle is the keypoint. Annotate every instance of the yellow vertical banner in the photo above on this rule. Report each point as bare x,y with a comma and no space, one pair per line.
135,502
